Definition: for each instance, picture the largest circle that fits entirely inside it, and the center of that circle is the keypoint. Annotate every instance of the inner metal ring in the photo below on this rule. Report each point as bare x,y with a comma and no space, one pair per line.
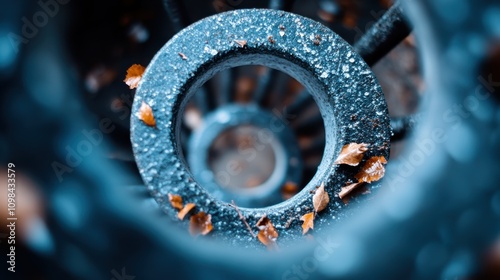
270,131
349,98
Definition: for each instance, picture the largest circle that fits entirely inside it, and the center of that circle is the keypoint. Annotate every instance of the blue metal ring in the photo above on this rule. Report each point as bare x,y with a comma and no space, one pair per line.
347,93
272,130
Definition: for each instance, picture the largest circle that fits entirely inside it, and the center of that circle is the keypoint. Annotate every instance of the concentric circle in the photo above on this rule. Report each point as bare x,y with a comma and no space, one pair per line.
349,98
260,140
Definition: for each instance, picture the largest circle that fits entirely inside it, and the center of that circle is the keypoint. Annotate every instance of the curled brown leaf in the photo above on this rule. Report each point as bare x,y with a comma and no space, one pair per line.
352,154
175,201
320,199
373,170
200,223
345,191
134,75
357,189
267,234
263,222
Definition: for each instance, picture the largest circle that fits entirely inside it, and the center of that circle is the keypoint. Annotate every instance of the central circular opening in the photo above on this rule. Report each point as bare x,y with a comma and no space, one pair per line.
253,135
250,159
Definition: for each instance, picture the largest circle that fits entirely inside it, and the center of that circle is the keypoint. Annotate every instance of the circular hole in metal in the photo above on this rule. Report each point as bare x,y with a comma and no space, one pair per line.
252,134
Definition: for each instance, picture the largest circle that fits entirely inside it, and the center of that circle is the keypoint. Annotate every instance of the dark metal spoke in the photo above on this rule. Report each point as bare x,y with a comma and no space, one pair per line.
279,90
285,5
202,101
316,147
177,14
384,35
302,100
309,126
225,85
402,126
264,85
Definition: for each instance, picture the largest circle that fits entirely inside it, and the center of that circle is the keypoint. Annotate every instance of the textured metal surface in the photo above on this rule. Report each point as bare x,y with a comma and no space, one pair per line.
347,93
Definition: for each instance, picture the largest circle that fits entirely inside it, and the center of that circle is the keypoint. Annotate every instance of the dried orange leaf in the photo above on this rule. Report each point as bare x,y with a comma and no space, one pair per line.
134,75
308,220
348,189
351,154
288,190
263,222
200,223
267,234
241,43
268,237
145,114
185,210
175,201
320,199
373,170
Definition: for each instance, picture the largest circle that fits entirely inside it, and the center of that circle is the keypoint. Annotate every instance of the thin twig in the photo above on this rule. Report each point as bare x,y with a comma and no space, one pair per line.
232,204
289,222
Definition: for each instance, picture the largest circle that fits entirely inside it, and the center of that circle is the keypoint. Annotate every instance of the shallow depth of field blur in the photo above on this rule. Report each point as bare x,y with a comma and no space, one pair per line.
78,59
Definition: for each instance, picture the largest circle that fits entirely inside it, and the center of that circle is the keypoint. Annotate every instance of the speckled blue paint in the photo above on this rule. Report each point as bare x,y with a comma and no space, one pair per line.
345,89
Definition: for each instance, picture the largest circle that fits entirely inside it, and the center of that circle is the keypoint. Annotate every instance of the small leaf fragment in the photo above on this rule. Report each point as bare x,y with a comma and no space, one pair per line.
134,75
200,223
175,201
357,189
373,170
346,200
352,154
320,199
308,220
262,222
267,234
145,114
365,190
184,211
288,190
348,189
241,43
350,20
183,56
